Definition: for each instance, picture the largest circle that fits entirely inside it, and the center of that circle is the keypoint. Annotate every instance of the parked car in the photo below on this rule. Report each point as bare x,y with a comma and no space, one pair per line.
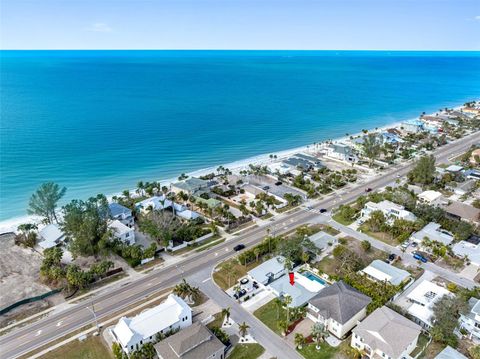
278,183
255,285
420,257
323,210
266,188
405,244
368,189
240,294
239,247
392,257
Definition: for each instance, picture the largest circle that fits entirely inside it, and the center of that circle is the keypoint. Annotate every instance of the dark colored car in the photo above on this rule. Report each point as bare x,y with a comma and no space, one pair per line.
323,210
392,257
368,189
240,294
266,188
279,183
419,257
255,285
239,247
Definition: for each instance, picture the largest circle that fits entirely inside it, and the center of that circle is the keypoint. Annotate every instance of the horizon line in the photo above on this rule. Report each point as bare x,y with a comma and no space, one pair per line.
214,49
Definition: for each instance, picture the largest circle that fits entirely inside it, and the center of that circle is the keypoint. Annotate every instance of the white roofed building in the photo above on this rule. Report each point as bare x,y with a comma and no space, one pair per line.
50,236
132,333
423,298
390,210
432,198
433,232
122,232
380,271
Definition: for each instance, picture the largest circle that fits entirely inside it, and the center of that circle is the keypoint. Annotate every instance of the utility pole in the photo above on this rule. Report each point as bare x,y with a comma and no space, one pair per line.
94,317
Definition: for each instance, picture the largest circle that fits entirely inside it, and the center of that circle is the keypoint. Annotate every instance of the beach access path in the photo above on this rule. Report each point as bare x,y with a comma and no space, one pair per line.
23,340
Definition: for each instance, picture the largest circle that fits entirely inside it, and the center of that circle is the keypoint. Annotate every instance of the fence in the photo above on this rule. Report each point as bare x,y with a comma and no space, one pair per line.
29,300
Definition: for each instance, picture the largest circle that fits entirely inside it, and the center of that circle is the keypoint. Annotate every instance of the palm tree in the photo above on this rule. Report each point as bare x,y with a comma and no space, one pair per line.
287,300
319,333
226,314
279,304
228,267
299,340
283,325
185,290
243,329
256,251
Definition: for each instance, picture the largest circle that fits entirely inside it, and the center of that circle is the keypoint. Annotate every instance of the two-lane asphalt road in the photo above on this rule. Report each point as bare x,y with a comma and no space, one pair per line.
23,340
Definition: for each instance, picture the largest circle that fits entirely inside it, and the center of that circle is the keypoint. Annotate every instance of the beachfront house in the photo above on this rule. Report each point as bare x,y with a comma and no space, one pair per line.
390,210
268,271
278,168
171,315
431,198
122,232
190,186
50,236
342,152
423,297
434,232
339,307
193,342
469,249
380,271
391,138
298,163
412,126
386,334
121,213
470,321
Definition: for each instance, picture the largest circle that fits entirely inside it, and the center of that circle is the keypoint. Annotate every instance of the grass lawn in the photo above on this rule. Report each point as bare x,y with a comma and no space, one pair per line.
329,229
221,276
210,245
246,351
422,342
381,236
90,348
217,322
268,315
340,219
432,350
325,352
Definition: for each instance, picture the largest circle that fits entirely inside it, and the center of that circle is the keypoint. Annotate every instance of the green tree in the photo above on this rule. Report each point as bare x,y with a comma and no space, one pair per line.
446,312
226,314
319,333
376,221
287,300
366,245
118,353
372,147
299,340
474,351
77,278
424,171
44,201
283,325
85,223
243,329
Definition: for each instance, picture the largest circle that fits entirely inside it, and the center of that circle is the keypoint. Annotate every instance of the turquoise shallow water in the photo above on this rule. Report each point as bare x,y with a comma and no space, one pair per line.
99,121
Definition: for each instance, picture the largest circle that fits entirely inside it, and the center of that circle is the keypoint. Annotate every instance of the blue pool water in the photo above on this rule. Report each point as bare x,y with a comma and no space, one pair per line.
313,277
100,121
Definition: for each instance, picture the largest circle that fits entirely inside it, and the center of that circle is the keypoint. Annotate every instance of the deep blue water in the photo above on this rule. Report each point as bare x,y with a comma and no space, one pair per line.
99,121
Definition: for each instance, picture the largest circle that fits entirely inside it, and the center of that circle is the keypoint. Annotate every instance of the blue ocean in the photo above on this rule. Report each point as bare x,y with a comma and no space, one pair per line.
100,121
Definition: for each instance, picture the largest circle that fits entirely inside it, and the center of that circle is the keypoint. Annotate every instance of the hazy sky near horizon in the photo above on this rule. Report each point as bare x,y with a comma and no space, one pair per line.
240,24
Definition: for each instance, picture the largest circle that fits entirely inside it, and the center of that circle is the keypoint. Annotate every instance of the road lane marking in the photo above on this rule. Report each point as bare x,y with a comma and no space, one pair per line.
206,280
59,323
216,254
38,333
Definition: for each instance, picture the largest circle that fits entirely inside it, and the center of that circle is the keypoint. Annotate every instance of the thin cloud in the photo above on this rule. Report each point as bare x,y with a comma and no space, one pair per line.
99,27
477,18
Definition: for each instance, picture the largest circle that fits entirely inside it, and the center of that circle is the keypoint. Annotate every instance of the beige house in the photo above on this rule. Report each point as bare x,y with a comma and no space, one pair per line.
194,342
386,334
339,307
475,157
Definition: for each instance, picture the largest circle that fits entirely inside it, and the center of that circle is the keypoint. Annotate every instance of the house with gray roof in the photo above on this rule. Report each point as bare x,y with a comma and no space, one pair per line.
299,163
386,334
468,249
323,240
300,295
342,152
194,342
268,271
450,353
380,271
434,232
470,321
121,213
190,186
339,307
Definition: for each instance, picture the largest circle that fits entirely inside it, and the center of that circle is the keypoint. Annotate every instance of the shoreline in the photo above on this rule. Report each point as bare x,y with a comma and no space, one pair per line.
10,225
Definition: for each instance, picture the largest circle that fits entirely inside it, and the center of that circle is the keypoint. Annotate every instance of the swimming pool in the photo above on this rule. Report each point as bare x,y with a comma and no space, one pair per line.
313,277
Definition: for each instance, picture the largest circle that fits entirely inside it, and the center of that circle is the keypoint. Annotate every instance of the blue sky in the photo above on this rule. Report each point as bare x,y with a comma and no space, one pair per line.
240,24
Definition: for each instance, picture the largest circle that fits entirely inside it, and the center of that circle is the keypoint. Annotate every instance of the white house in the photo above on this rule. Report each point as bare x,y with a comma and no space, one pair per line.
423,297
122,232
342,152
390,210
432,198
268,271
450,353
380,271
471,320
468,249
386,334
50,236
339,307
434,232
122,213
173,314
